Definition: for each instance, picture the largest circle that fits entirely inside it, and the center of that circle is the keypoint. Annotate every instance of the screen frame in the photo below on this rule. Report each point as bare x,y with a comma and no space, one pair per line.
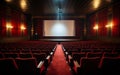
60,36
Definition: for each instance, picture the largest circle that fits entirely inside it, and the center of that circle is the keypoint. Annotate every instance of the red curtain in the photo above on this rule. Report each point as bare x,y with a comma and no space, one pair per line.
38,27
92,23
102,22
15,21
2,21
79,27
25,24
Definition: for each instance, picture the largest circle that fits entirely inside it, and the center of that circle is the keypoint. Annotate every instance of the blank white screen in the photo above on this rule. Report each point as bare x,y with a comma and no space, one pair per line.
59,28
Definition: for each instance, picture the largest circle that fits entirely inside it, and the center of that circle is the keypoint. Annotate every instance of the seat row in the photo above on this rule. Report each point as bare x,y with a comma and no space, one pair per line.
93,63
21,66
25,63
97,66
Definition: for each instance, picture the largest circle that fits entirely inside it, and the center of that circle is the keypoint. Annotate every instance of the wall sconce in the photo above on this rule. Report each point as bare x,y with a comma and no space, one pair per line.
109,29
8,28
95,27
22,29
23,5
110,25
96,3
8,0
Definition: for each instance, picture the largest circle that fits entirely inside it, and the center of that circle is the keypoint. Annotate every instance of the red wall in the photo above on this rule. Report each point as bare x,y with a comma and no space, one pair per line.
90,24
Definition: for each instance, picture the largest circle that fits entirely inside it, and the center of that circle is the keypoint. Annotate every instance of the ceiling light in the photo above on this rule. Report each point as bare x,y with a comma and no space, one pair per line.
8,0
96,3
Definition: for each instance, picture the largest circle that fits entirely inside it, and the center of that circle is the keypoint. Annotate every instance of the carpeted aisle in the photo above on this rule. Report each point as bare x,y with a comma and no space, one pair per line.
58,65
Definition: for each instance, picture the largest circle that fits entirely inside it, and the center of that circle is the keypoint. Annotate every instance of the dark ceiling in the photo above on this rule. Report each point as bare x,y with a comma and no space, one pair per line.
54,7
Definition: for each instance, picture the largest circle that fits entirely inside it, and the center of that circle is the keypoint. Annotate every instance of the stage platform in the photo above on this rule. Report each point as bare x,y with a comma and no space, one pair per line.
60,40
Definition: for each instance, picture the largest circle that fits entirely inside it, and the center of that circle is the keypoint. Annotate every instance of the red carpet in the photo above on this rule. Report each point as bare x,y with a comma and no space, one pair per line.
59,65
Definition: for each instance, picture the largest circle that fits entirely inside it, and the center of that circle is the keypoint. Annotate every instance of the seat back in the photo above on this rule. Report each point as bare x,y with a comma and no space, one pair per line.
89,65
10,55
8,66
27,65
110,65
96,54
25,55
39,56
78,56
111,54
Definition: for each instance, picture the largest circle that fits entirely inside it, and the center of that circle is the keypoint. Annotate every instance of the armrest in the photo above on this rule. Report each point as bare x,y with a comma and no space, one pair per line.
41,63
66,55
70,61
76,67
51,53
51,56
41,66
54,48
64,49
69,58
48,57
76,64
47,61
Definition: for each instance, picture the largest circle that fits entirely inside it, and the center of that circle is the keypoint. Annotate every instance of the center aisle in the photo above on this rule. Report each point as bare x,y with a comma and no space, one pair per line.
58,65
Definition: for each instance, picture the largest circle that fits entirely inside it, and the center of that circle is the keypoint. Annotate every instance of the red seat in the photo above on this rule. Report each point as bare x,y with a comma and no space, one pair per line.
78,56
28,66
110,66
88,66
8,66
39,56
